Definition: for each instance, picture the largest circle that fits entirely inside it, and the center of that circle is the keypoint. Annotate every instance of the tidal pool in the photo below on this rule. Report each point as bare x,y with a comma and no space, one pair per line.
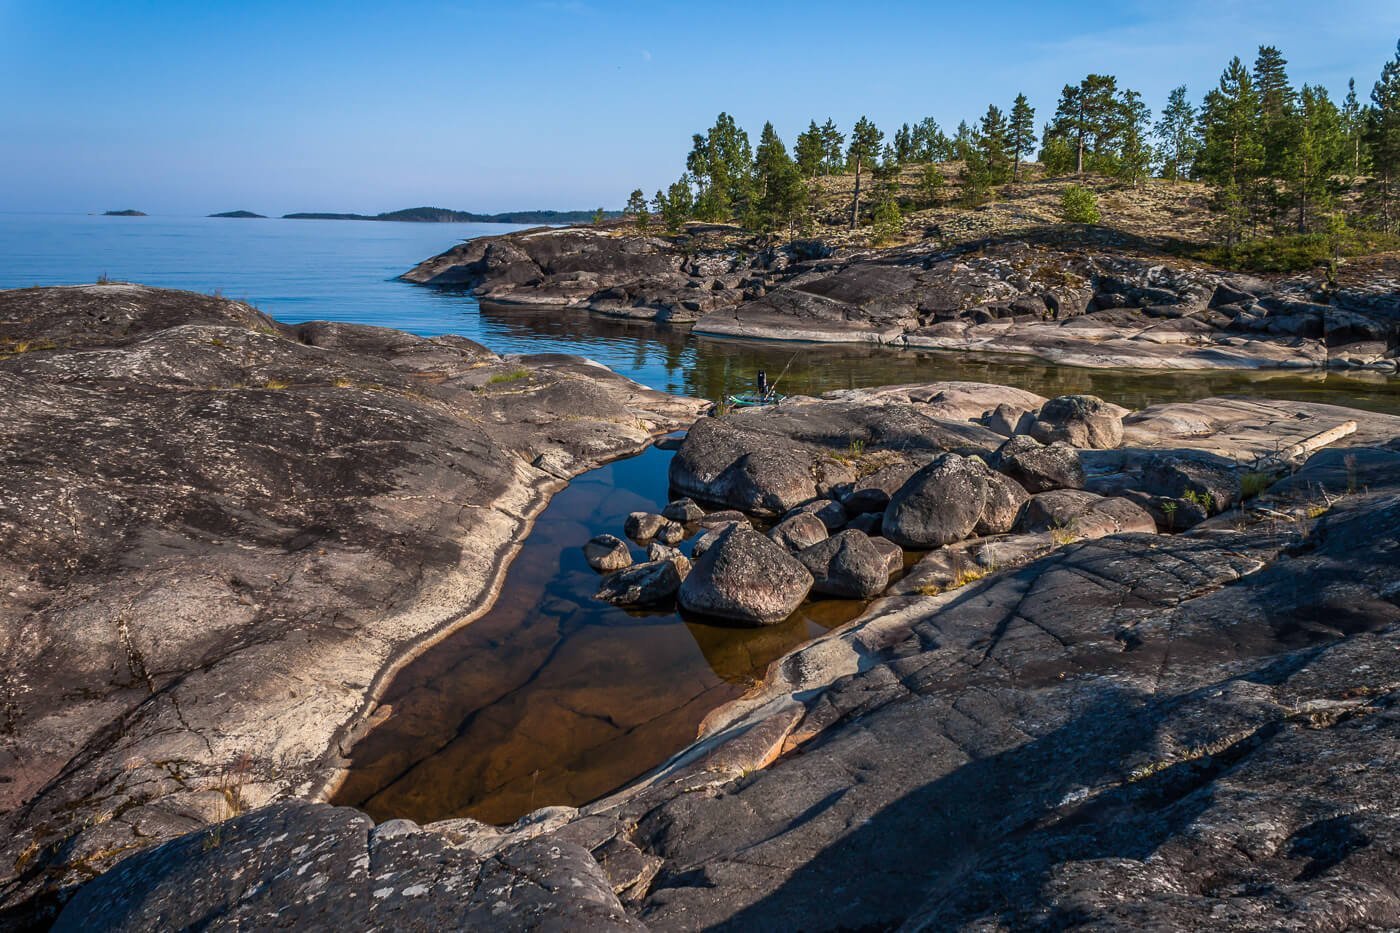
554,697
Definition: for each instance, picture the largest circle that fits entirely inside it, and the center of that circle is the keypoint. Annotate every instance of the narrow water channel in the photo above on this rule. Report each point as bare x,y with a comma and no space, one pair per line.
554,697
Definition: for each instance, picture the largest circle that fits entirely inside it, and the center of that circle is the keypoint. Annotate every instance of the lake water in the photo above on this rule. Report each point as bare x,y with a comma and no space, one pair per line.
299,270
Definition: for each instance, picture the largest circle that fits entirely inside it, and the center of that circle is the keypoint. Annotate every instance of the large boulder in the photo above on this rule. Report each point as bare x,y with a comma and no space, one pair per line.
1080,421
642,584
1210,481
746,577
1076,515
1038,467
848,565
828,511
949,499
730,465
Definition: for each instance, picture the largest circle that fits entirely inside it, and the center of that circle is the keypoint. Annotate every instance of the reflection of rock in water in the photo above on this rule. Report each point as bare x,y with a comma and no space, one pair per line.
740,654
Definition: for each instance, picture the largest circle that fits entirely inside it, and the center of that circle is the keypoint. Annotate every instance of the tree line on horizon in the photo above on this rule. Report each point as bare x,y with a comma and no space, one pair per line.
1278,157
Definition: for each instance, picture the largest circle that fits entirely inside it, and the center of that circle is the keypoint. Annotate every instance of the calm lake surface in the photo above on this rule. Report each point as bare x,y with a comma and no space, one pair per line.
301,270
552,697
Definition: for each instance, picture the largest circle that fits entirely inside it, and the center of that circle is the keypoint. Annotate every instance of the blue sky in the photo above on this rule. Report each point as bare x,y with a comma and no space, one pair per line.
188,108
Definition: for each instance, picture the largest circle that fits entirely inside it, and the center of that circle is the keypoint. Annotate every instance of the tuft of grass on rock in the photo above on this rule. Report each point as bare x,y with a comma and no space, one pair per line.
515,375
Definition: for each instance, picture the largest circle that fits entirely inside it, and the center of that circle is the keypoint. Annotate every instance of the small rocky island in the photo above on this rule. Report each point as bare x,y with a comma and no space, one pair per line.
241,215
129,212
1133,668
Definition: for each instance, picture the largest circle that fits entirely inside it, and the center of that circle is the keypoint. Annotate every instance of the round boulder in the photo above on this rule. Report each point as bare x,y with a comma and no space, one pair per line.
940,504
798,531
683,510
643,526
1005,501
746,577
658,551
607,553
1080,421
847,565
1037,467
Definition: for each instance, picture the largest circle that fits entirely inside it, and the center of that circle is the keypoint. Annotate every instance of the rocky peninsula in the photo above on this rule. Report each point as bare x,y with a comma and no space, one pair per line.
1095,297
1140,670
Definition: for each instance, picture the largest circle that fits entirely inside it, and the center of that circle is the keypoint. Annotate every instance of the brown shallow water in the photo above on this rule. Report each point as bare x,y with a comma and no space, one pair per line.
554,697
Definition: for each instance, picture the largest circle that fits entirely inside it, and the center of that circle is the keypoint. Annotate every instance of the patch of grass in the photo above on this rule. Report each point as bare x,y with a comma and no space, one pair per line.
17,347
340,382
1296,253
929,589
1064,534
515,375
1204,499
276,384
1254,483
1317,510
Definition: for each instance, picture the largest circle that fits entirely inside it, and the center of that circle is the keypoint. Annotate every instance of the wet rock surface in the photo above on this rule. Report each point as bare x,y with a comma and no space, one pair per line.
220,530
1088,298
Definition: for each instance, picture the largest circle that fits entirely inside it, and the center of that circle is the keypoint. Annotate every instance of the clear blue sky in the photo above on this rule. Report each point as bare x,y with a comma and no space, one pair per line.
193,107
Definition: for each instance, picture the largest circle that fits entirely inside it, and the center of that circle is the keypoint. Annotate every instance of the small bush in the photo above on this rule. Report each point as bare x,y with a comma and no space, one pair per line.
1078,205
1297,253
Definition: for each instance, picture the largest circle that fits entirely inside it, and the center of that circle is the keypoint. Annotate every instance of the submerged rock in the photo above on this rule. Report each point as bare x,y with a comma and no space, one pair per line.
745,577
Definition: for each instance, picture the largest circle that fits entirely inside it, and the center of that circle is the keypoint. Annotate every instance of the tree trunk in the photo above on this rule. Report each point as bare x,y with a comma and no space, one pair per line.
1079,156
855,203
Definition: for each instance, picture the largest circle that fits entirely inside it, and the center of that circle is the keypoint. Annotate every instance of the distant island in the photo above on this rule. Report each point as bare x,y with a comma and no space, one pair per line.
440,215
129,212
247,214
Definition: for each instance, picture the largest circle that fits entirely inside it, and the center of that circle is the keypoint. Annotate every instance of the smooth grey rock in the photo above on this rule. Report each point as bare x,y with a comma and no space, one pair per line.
658,551
1004,503
1037,467
745,577
683,510
643,526
606,553
641,584
1080,421
1080,514
940,504
828,511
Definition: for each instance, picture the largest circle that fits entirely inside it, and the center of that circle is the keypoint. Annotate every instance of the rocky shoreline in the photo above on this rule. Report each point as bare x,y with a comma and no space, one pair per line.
1095,298
1141,672
224,534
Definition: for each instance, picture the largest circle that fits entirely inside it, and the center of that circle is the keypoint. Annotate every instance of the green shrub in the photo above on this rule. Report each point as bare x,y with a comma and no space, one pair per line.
512,376
1297,253
1078,205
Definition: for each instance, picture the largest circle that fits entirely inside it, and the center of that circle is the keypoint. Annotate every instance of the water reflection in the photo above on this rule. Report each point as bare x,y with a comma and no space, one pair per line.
674,360
554,697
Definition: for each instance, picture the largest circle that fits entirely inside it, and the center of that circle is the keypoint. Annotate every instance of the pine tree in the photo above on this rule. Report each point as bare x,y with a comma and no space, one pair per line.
676,205
779,193
977,174
811,151
1135,154
1277,105
931,184
1231,152
636,204
1383,139
1176,131
865,146
1056,153
1317,154
1354,125
1022,131
931,144
904,144
832,143
994,146
721,162
1086,117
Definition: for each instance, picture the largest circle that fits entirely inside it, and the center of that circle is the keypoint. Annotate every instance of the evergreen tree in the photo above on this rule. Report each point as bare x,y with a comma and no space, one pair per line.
931,184
1231,152
721,162
1022,133
1318,153
930,143
811,151
1086,116
676,205
1277,105
904,144
1176,131
636,204
865,146
1383,139
887,219
1057,155
832,143
1135,154
976,177
994,146
1354,125
779,193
